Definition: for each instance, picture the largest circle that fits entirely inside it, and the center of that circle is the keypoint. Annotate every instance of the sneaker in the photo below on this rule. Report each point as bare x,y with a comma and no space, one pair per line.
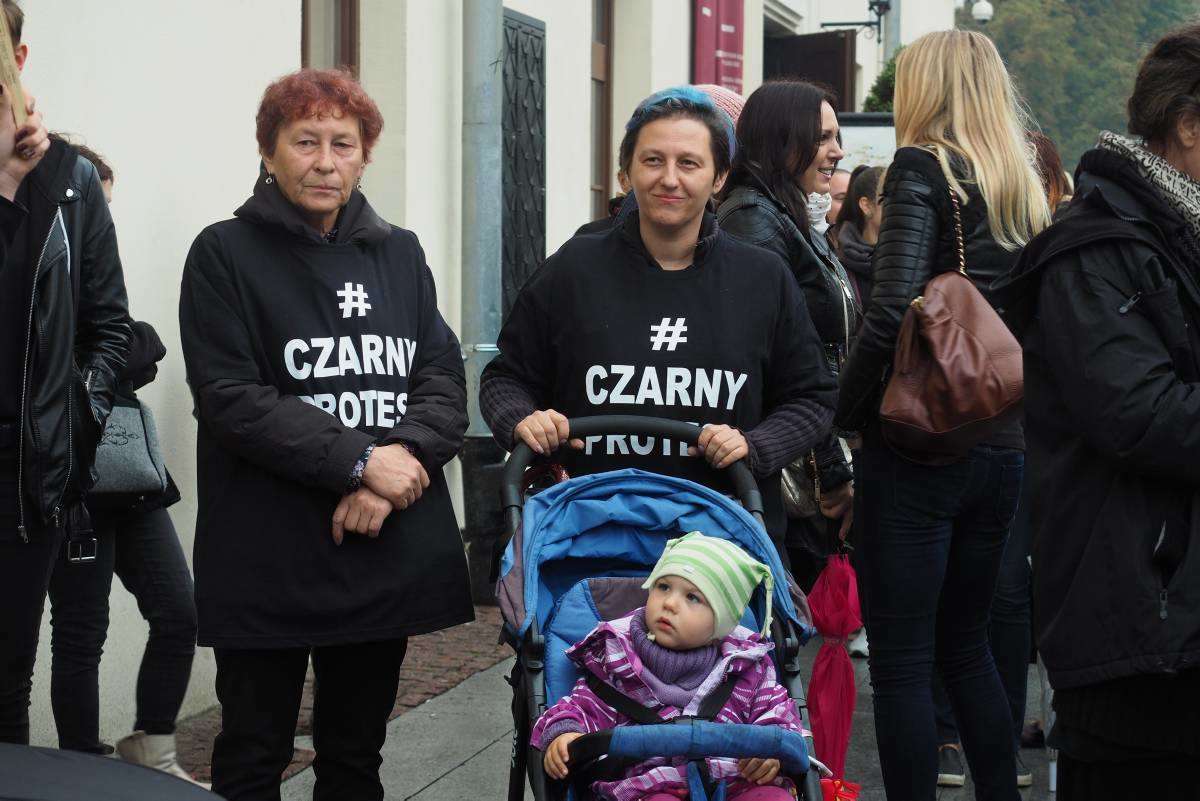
950,767
857,646
1024,774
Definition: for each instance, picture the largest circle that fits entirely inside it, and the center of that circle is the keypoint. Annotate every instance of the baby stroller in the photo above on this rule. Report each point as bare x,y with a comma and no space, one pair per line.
579,556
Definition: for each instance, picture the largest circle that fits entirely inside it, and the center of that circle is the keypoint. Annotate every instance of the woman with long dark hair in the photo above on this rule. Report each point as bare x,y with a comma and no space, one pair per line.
777,197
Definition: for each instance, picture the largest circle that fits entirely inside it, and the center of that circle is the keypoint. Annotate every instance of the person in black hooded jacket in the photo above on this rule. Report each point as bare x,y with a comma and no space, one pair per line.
330,393
665,315
1108,300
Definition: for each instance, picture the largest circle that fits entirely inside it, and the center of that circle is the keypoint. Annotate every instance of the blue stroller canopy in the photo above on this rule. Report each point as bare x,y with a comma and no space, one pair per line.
621,519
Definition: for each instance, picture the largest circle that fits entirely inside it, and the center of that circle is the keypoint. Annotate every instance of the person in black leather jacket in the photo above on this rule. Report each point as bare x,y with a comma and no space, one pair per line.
931,537
788,148
62,301
1108,304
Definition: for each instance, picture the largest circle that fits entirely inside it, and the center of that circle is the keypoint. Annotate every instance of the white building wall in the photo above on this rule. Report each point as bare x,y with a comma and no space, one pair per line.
919,17
167,92
652,42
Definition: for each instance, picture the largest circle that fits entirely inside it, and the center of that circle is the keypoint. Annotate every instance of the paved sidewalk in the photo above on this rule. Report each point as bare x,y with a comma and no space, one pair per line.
457,746
434,664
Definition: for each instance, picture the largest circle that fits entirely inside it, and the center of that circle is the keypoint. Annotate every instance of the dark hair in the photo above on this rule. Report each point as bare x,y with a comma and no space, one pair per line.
684,102
778,135
106,172
1165,89
16,20
1050,168
306,92
864,182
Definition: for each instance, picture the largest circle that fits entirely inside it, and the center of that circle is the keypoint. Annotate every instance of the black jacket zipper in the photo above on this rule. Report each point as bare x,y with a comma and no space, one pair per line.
21,530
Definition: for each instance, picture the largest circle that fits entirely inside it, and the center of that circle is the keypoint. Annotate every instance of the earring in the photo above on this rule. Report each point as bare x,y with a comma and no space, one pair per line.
270,178
359,184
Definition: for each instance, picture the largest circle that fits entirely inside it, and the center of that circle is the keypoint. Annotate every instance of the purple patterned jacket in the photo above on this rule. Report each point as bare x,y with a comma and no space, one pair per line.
608,653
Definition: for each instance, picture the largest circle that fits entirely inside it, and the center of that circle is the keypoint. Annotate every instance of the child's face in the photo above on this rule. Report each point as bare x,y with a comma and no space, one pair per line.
678,614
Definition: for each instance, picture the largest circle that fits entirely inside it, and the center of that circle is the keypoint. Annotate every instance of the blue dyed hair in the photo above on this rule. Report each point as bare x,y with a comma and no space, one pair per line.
688,102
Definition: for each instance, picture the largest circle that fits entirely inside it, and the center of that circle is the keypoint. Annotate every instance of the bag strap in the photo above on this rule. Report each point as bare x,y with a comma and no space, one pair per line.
958,233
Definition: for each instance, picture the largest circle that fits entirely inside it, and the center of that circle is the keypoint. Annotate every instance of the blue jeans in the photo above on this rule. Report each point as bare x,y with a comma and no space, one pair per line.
1010,632
143,550
930,545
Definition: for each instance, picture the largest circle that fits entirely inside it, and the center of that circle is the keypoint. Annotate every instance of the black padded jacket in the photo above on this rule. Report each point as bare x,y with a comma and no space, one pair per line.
916,241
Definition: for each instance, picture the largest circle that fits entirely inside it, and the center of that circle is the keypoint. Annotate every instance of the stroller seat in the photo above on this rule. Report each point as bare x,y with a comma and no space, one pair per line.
577,612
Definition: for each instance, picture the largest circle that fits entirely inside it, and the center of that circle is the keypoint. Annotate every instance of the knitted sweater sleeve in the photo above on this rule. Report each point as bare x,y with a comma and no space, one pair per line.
800,391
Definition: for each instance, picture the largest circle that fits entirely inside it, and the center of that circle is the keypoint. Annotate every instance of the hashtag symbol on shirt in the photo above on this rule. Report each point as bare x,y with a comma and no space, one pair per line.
666,333
354,299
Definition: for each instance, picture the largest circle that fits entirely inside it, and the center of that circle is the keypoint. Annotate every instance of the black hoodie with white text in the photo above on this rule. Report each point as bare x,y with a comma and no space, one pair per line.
300,353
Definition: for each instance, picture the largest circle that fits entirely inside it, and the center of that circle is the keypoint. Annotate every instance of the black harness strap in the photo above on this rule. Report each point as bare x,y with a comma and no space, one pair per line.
710,707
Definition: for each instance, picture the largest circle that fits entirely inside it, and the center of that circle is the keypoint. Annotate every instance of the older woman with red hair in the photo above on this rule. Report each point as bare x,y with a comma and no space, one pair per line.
329,393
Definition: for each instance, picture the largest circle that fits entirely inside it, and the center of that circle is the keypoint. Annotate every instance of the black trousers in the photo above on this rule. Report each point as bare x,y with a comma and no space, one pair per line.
143,549
260,693
24,578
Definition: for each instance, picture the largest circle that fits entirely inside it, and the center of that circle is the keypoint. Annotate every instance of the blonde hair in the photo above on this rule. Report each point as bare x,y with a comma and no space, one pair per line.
954,96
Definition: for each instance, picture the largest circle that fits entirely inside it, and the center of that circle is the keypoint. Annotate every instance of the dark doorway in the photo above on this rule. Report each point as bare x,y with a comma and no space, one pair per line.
524,224
825,58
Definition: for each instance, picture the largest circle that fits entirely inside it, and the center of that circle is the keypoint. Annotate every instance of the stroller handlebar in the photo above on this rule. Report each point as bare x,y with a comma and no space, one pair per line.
693,739
512,491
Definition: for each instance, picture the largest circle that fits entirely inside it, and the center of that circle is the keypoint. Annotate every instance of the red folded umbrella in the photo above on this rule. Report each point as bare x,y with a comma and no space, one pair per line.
831,692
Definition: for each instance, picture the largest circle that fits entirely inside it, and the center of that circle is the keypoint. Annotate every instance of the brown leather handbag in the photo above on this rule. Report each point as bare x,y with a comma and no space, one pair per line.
957,374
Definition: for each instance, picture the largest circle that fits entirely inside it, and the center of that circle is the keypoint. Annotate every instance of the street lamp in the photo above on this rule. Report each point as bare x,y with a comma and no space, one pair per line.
982,12
877,8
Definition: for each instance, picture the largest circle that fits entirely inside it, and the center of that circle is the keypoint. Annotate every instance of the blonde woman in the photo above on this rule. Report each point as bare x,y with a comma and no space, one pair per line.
932,537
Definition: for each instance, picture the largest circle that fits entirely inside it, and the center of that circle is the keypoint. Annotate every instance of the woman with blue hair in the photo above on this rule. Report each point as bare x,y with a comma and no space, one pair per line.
665,316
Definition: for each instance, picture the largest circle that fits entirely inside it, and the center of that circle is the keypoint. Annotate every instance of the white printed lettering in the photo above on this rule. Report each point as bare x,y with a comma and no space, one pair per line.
678,381
735,386
372,347
708,388
323,369
348,357
649,390
619,395
595,396
350,401
298,372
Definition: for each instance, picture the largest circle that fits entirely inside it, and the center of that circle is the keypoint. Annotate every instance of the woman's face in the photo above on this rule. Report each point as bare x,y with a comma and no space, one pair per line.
819,174
672,172
317,163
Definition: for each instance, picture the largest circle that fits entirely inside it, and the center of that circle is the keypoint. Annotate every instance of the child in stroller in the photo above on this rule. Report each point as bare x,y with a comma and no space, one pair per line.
682,652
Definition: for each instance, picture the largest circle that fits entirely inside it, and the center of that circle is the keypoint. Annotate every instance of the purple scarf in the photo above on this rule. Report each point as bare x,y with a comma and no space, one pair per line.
672,676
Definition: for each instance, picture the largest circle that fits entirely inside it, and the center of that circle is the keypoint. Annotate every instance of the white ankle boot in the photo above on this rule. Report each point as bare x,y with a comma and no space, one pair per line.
154,751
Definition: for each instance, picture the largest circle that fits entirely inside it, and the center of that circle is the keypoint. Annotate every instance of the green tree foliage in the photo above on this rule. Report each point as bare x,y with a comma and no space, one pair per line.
884,89
1074,61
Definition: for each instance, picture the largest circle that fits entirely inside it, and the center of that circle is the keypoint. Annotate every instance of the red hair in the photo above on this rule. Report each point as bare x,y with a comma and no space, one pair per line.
308,93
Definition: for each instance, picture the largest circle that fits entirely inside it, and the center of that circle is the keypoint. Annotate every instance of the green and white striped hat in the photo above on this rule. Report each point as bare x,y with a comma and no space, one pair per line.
725,573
